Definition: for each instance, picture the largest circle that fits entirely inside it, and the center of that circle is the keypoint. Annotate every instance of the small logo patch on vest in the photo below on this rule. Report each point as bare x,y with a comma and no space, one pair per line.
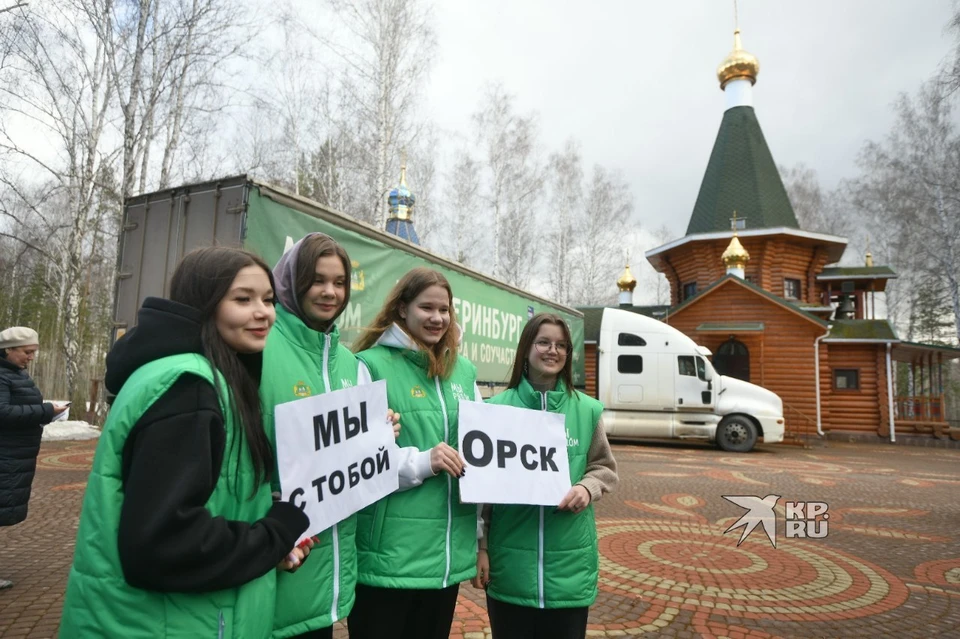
458,392
417,392
300,389
345,383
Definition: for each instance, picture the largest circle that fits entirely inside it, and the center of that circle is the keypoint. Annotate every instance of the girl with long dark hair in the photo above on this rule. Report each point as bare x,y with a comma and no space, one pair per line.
415,546
179,535
540,567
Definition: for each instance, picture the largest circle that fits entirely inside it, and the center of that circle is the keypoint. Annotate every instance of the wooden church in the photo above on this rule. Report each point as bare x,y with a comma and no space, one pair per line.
768,300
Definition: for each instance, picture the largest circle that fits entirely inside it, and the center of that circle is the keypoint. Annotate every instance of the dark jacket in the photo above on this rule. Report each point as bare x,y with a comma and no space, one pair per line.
22,416
168,540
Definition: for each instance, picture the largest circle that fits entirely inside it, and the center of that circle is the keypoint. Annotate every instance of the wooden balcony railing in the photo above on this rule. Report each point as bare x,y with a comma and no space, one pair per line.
919,409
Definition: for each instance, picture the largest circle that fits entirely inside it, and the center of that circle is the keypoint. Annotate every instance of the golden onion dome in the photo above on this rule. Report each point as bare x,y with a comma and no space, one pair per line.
738,64
627,282
735,256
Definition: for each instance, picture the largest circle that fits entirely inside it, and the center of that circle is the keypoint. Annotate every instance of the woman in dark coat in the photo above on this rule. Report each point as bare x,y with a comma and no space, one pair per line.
23,414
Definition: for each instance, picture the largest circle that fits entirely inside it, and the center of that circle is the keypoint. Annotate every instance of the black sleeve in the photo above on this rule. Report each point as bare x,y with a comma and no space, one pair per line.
168,540
22,415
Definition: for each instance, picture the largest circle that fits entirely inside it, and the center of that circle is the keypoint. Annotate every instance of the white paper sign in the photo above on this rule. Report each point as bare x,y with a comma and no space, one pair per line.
336,453
513,455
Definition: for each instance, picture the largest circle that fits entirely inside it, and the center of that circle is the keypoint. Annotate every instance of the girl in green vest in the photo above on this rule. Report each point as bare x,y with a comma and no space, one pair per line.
304,357
416,546
179,535
540,565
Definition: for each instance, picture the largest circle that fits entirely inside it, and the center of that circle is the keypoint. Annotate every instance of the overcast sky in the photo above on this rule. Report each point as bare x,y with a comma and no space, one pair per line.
635,81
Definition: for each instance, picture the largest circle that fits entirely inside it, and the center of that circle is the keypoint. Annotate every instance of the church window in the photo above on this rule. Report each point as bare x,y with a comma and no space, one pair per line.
791,288
846,379
689,290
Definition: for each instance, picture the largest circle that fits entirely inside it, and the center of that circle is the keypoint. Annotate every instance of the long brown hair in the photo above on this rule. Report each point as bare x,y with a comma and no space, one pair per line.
443,354
201,280
527,338
313,248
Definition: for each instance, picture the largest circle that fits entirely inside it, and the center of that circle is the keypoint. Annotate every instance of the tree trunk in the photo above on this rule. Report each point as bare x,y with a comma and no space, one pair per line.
132,104
176,127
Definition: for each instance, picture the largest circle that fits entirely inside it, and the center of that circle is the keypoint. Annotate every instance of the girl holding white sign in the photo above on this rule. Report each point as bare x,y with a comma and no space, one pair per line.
540,565
179,534
304,357
416,546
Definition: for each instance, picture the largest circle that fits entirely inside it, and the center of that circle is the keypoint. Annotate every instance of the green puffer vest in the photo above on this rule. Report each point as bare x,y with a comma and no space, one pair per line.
540,558
299,362
99,602
422,537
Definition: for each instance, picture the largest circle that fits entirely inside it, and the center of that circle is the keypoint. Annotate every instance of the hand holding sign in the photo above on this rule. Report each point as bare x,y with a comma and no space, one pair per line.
576,500
394,419
297,556
334,454
515,455
444,457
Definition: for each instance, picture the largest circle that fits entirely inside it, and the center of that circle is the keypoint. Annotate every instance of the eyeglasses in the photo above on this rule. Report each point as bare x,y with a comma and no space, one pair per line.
544,346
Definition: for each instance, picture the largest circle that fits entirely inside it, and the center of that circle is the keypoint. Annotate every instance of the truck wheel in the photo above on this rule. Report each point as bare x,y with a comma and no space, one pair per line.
736,434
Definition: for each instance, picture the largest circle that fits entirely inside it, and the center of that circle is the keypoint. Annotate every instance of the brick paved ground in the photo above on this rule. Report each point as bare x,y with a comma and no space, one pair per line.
889,566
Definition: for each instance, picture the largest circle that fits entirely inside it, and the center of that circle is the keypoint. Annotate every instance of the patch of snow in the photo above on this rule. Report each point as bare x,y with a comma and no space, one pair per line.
69,431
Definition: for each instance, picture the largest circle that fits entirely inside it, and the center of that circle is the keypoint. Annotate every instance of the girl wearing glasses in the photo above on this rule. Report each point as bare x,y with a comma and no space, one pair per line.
540,565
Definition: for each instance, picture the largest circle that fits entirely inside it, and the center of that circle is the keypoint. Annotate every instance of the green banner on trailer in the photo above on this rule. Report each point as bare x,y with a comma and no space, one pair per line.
491,318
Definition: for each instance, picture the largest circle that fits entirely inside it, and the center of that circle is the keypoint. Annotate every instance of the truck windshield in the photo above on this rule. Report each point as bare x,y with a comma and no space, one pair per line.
701,369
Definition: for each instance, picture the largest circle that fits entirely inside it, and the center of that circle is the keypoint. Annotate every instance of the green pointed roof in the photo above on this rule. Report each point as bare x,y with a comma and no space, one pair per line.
741,177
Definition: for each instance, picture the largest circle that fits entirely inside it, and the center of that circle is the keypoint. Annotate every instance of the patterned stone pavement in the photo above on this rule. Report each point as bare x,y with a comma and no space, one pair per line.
889,565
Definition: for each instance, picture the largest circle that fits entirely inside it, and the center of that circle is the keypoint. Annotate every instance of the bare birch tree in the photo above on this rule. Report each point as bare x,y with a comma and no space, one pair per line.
522,233
386,47
462,197
59,84
816,209
164,62
565,178
910,190
9,23
422,181
950,72
515,181
655,281
608,209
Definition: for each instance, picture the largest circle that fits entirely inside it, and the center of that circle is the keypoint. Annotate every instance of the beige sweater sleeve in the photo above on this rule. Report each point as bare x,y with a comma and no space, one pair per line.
601,474
484,530
600,477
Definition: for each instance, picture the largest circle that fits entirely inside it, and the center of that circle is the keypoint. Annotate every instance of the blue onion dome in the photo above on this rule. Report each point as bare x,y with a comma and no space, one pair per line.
401,200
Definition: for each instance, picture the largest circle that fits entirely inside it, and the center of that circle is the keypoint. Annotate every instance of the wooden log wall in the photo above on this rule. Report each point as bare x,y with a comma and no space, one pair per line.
785,362
772,259
590,369
855,410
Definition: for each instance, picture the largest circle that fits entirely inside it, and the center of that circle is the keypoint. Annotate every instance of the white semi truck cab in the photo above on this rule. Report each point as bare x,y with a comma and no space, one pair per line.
656,382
